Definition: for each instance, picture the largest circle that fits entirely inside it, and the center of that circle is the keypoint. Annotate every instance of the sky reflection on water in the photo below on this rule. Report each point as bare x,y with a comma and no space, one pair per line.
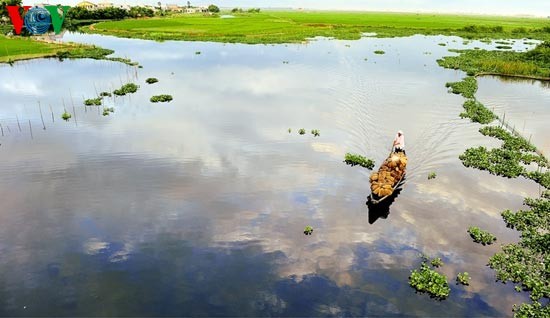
197,207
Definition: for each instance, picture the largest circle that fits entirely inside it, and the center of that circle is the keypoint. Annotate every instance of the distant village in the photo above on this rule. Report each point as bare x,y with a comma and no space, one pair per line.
166,7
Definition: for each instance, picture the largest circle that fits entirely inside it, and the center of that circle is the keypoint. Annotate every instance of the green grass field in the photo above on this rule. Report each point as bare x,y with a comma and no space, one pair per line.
22,48
296,26
18,48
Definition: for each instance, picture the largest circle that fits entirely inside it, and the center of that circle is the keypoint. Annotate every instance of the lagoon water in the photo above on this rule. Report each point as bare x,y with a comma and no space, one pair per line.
196,207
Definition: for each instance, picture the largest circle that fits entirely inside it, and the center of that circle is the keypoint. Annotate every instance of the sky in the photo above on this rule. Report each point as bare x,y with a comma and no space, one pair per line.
499,7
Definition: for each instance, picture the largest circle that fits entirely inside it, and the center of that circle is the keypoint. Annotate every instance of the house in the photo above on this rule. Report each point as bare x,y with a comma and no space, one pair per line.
104,5
87,5
174,8
196,9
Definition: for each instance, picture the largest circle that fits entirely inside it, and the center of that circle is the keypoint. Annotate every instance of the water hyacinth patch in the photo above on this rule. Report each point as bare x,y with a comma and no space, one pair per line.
108,110
481,236
126,89
161,98
302,131
66,116
427,280
463,278
151,80
431,175
477,112
467,87
315,133
355,159
308,230
105,94
379,52
93,101
437,262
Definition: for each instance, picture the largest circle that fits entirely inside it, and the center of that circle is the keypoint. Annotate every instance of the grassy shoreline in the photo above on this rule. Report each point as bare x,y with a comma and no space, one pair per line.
273,27
20,48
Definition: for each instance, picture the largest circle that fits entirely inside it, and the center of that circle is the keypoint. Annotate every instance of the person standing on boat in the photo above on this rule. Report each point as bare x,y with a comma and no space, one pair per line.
399,142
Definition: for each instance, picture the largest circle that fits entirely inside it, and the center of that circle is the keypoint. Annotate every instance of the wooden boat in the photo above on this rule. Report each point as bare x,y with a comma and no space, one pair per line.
388,178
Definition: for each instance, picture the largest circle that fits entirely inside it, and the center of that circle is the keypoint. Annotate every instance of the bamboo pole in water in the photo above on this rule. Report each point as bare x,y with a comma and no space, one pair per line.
2,128
53,120
18,125
30,128
41,117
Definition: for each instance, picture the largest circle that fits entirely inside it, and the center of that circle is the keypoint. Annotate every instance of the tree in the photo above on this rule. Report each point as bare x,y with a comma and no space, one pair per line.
188,4
213,8
5,3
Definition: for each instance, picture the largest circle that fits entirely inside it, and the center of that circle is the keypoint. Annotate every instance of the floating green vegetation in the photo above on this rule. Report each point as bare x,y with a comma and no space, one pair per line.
315,132
66,116
93,101
503,47
427,280
510,141
161,98
503,42
151,80
441,44
302,131
126,89
197,52
355,159
92,52
481,236
285,62
497,161
432,175
379,52
463,278
527,262
467,87
290,130
437,262
107,111
308,230
105,94
534,63
477,112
